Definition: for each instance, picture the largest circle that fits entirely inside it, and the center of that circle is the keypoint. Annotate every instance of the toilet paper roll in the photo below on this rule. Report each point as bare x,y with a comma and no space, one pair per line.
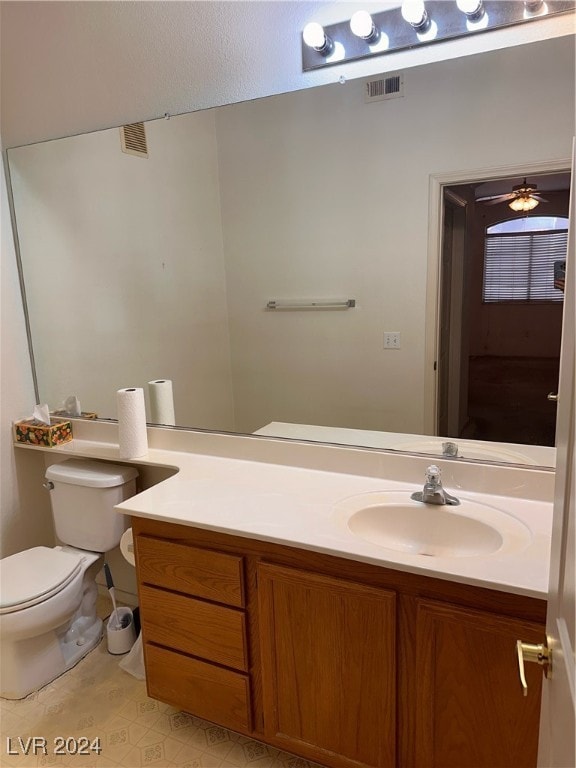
161,402
132,436
127,546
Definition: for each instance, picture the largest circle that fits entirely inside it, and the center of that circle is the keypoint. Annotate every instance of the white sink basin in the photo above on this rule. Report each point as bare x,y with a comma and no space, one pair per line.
394,521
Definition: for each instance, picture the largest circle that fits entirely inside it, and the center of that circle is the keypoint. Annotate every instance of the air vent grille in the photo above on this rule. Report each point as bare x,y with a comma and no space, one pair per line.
133,139
391,87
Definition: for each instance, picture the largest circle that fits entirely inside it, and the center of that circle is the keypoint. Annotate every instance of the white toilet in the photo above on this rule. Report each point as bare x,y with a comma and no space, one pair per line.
48,618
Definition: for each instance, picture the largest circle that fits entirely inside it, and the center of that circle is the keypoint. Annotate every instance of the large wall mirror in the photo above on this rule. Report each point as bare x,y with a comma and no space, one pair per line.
139,268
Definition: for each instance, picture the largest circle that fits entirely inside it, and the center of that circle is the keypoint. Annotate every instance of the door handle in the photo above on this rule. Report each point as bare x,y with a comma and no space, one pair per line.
553,396
540,654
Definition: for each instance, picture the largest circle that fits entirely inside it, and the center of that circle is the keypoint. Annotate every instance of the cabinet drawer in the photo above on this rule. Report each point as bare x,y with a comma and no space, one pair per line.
202,689
213,632
200,572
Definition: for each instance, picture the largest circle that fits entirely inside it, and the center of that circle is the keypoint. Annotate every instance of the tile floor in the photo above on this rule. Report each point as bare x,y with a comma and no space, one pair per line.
98,700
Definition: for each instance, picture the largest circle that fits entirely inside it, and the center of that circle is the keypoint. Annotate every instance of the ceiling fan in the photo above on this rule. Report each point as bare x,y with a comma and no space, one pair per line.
523,197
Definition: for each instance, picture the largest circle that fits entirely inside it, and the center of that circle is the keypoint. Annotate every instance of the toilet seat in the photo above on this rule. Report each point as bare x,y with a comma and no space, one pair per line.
33,576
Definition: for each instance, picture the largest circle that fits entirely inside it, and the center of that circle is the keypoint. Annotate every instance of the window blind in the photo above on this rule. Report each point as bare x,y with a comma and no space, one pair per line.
520,266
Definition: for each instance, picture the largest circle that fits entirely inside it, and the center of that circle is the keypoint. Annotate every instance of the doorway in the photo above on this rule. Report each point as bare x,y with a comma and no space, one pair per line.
501,310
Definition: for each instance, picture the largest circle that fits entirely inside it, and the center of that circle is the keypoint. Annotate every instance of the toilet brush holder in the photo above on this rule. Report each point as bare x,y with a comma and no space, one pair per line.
120,631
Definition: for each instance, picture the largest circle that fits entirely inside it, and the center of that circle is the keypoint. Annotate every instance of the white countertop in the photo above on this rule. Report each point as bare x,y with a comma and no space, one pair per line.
300,507
281,492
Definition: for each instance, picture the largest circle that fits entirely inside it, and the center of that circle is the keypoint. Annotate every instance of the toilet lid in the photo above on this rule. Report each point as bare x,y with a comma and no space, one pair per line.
32,576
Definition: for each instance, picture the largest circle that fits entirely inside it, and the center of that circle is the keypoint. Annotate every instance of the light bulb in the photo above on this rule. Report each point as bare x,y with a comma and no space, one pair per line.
315,37
414,12
534,8
362,25
472,8
525,203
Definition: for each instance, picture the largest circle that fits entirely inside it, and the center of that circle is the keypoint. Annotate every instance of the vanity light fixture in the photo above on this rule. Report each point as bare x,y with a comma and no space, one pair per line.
414,24
362,25
315,37
525,203
415,13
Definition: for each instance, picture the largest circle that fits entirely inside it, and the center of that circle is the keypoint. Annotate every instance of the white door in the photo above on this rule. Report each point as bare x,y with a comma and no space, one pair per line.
557,722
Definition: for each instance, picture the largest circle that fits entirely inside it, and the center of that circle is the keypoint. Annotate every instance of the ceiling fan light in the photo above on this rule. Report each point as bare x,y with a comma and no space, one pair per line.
523,204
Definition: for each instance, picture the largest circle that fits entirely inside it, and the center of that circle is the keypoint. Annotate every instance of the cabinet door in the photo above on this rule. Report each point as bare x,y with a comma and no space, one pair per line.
328,656
470,709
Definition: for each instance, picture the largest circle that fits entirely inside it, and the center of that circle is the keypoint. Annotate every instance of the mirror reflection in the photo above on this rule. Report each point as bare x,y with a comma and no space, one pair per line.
158,263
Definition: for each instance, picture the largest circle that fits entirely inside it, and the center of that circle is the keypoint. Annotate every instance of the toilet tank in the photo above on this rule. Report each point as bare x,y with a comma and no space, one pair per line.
83,495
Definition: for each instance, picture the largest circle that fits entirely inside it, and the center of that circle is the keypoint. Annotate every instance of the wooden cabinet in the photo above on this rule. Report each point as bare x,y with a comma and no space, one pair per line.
341,662
194,630
328,665
470,710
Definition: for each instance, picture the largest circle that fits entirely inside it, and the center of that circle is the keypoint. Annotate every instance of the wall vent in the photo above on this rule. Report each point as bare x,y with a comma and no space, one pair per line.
391,87
133,139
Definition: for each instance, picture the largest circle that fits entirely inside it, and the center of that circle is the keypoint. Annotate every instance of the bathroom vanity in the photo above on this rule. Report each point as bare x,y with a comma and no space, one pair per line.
341,662
264,612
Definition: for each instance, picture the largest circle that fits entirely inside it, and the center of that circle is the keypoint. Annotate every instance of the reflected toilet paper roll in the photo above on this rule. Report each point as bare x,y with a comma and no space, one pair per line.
127,546
161,402
132,436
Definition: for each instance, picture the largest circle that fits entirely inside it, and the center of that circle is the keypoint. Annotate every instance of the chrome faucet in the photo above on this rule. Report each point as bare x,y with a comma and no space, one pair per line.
433,492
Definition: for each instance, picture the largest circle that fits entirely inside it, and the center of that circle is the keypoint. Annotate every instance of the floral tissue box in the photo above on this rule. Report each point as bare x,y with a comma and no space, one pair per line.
33,432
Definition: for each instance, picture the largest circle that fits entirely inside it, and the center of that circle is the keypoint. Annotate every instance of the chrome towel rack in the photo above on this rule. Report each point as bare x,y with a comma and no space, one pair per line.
311,304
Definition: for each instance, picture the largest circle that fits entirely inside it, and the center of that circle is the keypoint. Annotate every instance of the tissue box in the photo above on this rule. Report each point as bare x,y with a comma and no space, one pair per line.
33,432
83,415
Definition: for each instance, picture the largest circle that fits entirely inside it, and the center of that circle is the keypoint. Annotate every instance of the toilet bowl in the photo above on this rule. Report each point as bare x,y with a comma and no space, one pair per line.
46,628
48,619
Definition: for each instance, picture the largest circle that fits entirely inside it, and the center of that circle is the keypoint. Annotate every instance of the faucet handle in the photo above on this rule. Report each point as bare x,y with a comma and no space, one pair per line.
449,448
433,474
